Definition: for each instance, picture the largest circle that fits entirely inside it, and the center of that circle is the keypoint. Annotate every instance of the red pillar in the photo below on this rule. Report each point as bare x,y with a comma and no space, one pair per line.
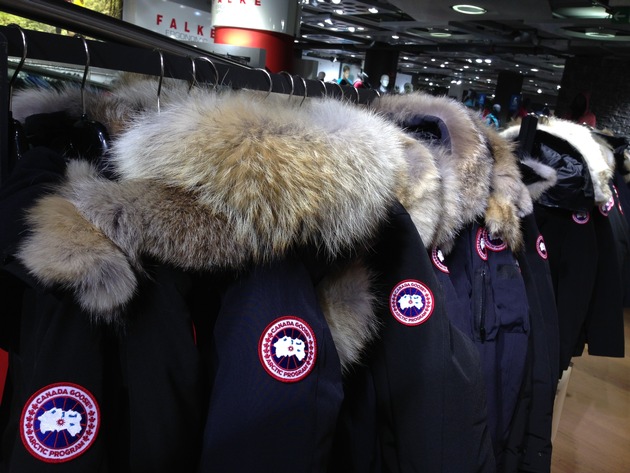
266,24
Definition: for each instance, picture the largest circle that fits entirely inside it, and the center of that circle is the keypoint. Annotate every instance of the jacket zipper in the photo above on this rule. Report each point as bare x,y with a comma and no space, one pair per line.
482,308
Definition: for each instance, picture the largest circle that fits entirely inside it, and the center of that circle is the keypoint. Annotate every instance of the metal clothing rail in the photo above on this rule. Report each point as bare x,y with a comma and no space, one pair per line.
124,47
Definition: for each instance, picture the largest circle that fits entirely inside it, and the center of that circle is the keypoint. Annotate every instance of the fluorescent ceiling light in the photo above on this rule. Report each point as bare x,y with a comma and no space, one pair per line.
438,34
373,10
469,9
598,34
582,12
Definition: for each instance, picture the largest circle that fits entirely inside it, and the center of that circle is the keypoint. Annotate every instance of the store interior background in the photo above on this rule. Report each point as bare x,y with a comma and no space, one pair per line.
545,50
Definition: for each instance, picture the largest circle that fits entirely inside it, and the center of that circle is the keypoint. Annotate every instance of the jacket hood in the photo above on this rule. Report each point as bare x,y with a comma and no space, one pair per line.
460,152
509,198
581,139
226,180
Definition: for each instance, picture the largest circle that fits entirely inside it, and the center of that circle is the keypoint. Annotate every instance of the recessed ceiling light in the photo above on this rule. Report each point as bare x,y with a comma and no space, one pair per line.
558,66
533,69
328,21
438,34
336,2
351,29
432,59
360,28
373,10
487,61
339,12
395,36
320,24
405,58
469,9
478,61
539,91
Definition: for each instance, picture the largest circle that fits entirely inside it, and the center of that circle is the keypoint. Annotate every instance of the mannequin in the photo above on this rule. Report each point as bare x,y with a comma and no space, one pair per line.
384,83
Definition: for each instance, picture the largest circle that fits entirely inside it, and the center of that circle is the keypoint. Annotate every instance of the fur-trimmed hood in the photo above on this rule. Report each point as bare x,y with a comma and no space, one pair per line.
225,180
509,199
479,172
582,140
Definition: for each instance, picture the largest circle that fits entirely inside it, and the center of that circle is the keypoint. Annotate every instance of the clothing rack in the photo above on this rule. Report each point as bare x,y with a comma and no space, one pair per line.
121,46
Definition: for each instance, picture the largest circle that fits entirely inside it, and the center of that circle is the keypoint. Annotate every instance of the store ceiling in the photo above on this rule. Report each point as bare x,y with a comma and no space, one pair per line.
440,45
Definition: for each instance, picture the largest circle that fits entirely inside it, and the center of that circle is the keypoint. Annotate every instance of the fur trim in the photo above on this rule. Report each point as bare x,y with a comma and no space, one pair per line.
582,140
348,305
114,109
548,177
64,249
509,200
419,189
465,168
274,175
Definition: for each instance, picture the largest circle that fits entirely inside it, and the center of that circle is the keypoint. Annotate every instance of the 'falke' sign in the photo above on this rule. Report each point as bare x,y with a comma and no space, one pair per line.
171,19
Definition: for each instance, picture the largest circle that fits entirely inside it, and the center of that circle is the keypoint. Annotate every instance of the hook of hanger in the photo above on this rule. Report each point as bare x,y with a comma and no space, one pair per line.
214,68
378,94
268,78
358,96
159,90
324,87
340,90
305,90
290,77
85,72
20,64
194,73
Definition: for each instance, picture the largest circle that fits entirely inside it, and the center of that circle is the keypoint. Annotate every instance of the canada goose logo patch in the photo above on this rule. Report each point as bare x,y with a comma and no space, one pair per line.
59,422
288,349
540,247
581,217
411,302
480,244
438,260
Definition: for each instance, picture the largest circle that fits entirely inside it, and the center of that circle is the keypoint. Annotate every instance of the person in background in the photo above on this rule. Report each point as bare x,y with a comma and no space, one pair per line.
470,99
408,88
345,76
580,110
382,88
492,118
321,75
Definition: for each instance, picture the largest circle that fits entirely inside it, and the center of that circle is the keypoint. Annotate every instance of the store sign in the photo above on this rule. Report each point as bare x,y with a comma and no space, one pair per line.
171,19
279,16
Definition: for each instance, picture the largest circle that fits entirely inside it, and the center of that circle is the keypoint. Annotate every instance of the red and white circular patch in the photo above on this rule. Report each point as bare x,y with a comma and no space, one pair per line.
59,422
493,242
605,209
438,259
288,349
540,247
581,217
480,244
411,302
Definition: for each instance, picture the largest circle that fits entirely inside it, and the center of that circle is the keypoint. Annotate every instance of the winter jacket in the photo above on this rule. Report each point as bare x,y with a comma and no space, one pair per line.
480,182
247,229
